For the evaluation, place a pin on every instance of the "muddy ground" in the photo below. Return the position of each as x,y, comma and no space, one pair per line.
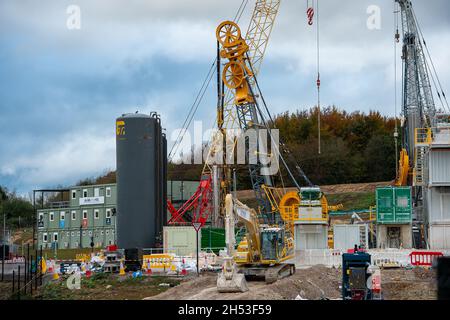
312,284
329,189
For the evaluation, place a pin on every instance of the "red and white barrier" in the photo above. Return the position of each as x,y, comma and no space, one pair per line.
424,258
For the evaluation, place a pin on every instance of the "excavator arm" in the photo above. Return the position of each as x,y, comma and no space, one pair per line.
230,280
236,212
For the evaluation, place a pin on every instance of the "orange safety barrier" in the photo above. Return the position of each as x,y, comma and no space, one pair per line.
424,258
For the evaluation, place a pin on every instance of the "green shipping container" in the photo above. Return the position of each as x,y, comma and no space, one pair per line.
214,238
394,205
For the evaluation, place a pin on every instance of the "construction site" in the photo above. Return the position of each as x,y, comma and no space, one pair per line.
254,225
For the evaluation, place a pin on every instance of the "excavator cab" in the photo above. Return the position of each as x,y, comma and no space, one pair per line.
272,244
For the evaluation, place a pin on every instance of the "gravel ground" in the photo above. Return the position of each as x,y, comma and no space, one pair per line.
313,284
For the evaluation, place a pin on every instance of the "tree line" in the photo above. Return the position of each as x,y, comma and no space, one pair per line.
18,211
356,147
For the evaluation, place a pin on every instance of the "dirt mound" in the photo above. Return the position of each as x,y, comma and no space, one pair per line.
329,189
416,284
354,187
22,237
313,283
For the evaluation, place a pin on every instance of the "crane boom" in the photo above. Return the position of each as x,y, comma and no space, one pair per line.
418,104
257,37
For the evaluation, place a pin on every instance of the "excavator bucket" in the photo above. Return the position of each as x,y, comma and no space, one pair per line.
237,283
229,280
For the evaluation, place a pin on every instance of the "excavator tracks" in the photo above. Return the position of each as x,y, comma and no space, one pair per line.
270,274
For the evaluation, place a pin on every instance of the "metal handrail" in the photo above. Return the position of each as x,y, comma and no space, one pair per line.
34,279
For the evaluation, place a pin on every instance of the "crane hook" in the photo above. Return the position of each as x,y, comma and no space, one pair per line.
310,15
397,36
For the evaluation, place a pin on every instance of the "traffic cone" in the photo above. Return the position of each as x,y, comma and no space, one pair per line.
43,266
122,269
55,274
88,272
183,270
148,267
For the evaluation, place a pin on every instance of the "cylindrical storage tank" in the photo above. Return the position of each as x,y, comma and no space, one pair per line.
164,182
138,166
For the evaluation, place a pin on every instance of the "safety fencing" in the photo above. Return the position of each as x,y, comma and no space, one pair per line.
313,257
424,258
380,257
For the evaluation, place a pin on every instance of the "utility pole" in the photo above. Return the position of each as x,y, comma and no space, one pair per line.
3,245
81,237
197,226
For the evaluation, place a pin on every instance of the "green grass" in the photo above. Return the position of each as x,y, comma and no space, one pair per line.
352,200
105,286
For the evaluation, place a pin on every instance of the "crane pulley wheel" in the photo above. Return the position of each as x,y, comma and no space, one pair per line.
228,34
233,75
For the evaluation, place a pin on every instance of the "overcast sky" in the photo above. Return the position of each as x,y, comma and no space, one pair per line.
61,89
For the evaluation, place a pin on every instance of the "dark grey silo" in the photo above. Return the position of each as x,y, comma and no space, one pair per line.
140,179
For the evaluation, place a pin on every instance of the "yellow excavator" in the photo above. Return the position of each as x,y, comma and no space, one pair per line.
263,252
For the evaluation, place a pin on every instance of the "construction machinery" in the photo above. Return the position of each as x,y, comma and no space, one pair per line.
420,117
241,106
261,253
208,202
418,107
269,240
360,279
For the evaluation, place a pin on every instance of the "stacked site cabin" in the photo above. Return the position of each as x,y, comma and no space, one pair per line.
90,214
87,217
437,191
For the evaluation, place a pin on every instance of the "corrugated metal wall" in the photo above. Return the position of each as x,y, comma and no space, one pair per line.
440,236
438,204
440,166
346,236
311,237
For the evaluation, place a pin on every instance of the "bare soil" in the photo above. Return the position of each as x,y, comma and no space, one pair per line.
313,284
329,189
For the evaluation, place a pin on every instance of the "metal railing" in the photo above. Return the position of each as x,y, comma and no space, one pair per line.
426,136
27,288
178,251
423,136
59,204
26,273
291,214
